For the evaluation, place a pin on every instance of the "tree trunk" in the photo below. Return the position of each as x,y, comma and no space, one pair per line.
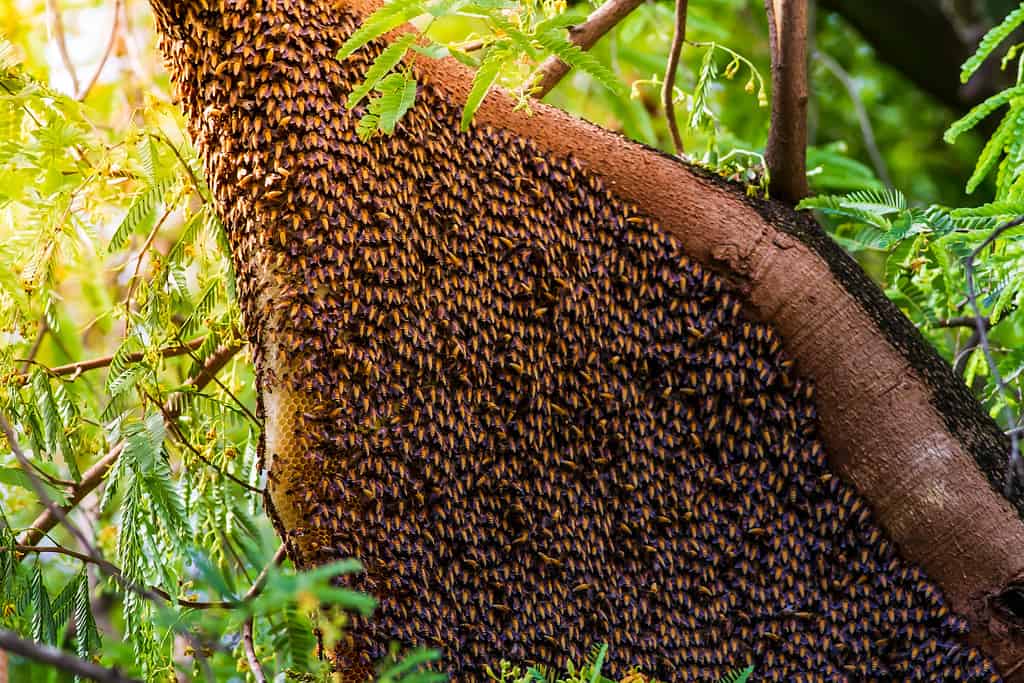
460,385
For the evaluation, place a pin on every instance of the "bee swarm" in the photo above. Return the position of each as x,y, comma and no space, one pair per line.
538,424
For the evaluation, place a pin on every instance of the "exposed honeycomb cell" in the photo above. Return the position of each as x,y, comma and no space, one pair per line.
536,421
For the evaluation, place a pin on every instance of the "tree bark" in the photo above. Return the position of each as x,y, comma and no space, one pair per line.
786,151
894,419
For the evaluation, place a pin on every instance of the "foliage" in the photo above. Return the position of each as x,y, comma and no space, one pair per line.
110,250
925,248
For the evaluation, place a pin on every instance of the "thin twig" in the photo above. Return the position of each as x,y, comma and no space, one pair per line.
76,369
585,35
244,408
36,345
115,26
172,424
40,491
56,21
1013,465
250,652
51,656
138,262
866,130
111,569
669,87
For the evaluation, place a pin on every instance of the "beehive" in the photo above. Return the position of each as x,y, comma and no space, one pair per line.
536,421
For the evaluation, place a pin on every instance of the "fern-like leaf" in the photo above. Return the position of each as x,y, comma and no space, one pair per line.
570,53
141,209
739,675
381,67
385,18
484,78
991,41
980,112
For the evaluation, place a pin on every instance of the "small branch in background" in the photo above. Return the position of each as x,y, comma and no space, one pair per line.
114,30
866,130
964,356
669,87
112,570
964,321
55,510
982,324
94,476
76,369
786,152
51,656
250,652
34,351
138,264
585,35
56,22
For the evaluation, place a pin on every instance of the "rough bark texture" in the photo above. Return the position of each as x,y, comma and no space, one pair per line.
268,115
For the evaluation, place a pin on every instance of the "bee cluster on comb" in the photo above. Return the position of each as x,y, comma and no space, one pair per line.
535,420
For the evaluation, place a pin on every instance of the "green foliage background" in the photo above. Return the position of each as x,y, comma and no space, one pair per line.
109,249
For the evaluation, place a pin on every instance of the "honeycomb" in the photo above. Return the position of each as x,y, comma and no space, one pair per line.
517,401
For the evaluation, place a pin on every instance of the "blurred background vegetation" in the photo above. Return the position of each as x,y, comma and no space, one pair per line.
110,253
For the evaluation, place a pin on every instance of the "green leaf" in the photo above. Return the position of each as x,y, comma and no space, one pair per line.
385,18
577,58
87,636
991,41
1013,207
993,151
980,112
398,94
43,628
142,208
739,676
484,78
387,60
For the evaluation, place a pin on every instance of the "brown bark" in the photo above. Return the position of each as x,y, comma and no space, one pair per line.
896,421
601,21
786,152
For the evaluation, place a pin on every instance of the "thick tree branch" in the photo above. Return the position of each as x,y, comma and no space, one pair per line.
601,20
669,86
51,656
786,152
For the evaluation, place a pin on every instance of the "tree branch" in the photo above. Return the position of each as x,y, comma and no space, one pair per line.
866,130
94,476
600,21
1013,466
115,26
669,86
76,369
250,652
56,22
786,152
46,654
